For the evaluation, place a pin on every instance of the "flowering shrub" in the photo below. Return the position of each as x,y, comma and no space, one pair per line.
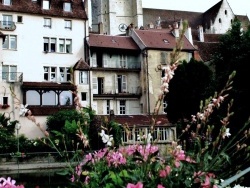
9,183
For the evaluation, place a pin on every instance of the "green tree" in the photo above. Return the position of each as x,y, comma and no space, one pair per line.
192,83
234,54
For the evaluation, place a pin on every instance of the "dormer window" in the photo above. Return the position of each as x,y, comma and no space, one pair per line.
165,41
7,2
67,7
45,4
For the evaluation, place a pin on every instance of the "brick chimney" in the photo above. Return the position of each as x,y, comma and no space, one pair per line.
175,30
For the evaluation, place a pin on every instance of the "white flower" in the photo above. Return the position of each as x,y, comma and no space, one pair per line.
106,139
149,137
23,110
227,133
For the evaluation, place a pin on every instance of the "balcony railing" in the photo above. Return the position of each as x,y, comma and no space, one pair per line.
131,92
12,76
118,66
7,25
161,134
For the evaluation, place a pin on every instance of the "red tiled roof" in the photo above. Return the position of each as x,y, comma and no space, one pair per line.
140,120
206,49
116,42
81,65
56,8
155,39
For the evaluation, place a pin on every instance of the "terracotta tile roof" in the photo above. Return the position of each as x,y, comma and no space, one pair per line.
48,85
154,39
27,6
115,42
140,120
245,22
169,16
81,65
206,49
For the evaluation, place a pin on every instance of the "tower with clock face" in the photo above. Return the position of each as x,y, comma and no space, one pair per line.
112,17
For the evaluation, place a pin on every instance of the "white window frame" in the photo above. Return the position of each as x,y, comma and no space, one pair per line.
7,20
94,60
122,109
49,44
67,7
68,24
83,77
10,42
47,22
123,61
50,73
46,5
65,45
7,2
65,75
9,72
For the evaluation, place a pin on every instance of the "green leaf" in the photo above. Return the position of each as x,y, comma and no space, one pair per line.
124,173
115,178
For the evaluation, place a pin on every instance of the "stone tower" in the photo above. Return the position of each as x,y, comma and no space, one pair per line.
112,16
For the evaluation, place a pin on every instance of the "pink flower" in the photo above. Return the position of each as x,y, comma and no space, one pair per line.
164,173
160,186
138,185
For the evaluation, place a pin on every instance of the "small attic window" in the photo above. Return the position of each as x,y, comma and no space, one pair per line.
219,20
67,7
165,41
6,2
225,12
46,4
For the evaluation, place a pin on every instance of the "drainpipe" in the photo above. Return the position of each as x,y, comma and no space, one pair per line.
145,55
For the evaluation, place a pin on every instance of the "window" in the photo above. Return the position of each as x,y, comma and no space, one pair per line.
47,22
123,61
219,20
64,74
84,77
122,107
67,24
19,19
164,59
65,45
67,7
122,83
108,106
50,74
84,96
7,2
9,72
5,100
49,44
225,12
45,4
10,42
7,21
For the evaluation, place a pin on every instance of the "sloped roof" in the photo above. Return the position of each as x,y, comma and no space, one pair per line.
115,42
140,120
206,49
161,39
56,8
169,16
211,14
81,65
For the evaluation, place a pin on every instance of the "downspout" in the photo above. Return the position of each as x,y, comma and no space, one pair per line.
145,55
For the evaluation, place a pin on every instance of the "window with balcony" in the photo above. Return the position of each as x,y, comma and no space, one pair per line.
67,7
10,42
7,21
9,72
67,24
7,2
49,44
122,107
122,83
47,22
46,5
123,61
84,79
